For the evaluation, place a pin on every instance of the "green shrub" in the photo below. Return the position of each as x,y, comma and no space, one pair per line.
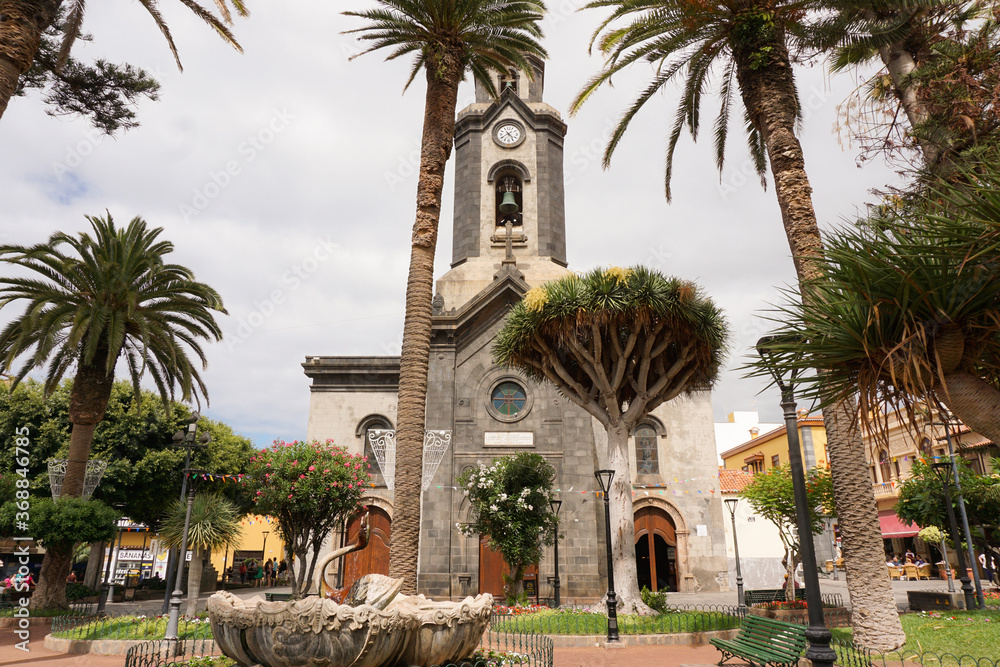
657,601
77,591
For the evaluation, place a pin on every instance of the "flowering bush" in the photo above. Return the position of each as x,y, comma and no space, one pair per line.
309,488
510,505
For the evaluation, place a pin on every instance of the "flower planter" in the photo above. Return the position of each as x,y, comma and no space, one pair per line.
832,616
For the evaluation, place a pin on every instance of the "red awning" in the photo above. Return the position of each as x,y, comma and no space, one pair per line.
893,527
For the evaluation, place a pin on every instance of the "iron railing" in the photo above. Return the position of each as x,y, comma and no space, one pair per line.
677,619
497,649
124,625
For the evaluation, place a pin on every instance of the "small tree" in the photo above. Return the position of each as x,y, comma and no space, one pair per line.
617,342
771,495
215,522
58,525
310,488
510,507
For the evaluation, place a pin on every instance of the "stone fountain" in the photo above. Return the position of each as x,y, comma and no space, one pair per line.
375,626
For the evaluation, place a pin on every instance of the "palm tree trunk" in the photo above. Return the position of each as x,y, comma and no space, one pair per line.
444,73
194,580
623,524
92,578
768,93
50,593
22,23
88,401
975,402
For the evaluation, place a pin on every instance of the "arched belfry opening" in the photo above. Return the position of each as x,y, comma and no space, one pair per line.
508,81
509,200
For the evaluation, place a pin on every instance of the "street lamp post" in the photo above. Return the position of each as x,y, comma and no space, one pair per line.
965,519
183,438
740,599
604,478
943,470
555,505
819,651
173,622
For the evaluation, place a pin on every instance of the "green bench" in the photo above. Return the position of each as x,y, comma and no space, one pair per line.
762,595
276,597
764,641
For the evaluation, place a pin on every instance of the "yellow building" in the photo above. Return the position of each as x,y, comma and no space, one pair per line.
770,450
137,550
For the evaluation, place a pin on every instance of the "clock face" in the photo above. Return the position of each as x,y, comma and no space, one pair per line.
508,134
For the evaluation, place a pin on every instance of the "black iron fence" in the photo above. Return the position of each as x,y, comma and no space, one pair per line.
124,625
498,648
676,619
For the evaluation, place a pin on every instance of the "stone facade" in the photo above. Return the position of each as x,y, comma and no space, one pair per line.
489,273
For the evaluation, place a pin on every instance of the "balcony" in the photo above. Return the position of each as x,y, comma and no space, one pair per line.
885,490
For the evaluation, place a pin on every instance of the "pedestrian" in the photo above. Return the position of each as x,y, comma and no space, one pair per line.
243,573
71,579
267,572
259,575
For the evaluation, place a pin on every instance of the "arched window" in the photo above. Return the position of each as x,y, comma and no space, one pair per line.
885,464
646,461
925,445
508,81
509,190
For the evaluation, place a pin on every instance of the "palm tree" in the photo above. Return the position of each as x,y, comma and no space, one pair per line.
97,299
749,40
904,314
618,343
24,21
215,523
911,40
447,39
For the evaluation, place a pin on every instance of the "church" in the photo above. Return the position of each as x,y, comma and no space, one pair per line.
509,235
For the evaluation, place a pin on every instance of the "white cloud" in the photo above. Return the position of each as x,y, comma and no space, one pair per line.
334,145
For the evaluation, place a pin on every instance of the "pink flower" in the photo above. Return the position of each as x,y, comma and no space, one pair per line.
336,483
312,467
295,462
327,470
260,493
302,476
269,465
289,495
357,466
350,486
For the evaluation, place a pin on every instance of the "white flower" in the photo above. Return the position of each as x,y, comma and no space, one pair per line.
493,507
530,507
503,496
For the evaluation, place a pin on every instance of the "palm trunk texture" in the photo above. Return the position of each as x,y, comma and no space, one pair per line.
50,593
87,402
766,84
22,23
195,568
444,73
95,561
976,403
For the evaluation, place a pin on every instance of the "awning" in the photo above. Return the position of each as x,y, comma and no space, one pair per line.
893,527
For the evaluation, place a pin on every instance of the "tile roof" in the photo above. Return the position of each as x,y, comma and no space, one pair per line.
734,481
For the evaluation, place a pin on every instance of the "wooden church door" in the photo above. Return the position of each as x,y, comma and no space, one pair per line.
492,569
655,549
373,559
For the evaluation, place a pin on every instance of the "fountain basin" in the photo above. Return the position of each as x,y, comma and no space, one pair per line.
410,631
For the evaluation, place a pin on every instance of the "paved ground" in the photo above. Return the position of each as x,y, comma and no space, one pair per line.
665,656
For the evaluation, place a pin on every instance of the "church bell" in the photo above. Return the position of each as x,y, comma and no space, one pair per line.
507,204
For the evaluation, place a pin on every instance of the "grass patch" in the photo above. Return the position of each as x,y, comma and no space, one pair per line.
972,633
553,622
135,627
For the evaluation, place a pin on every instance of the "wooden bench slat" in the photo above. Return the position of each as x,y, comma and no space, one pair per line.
766,641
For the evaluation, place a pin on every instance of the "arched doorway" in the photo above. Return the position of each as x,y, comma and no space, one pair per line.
655,549
373,559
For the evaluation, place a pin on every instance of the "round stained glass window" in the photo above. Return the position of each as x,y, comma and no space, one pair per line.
508,398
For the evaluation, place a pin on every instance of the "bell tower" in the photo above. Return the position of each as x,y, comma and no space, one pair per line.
509,197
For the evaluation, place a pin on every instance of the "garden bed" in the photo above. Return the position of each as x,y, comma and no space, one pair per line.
798,612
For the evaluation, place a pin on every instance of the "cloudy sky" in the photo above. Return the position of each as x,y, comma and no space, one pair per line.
286,177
